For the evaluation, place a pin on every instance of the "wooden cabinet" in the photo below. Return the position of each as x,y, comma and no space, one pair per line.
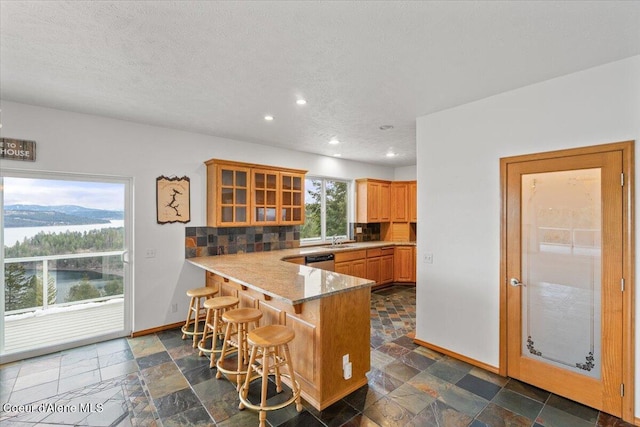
291,198
380,265
399,201
386,201
264,204
413,201
374,265
242,194
386,266
228,195
352,263
404,264
373,200
404,201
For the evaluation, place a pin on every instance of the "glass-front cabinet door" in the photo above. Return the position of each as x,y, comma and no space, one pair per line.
233,195
265,196
292,204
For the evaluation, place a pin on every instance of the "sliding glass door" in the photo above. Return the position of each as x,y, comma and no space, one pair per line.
65,268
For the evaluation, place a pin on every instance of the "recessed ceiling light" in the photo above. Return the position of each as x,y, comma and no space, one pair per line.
337,155
334,142
301,101
268,118
391,154
386,127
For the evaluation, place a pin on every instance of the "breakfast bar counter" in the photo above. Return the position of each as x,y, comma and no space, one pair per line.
329,313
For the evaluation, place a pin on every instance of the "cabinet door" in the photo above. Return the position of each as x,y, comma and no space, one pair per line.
399,202
386,269
373,269
403,262
384,202
264,204
291,198
413,202
373,202
414,272
232,187
343,267
359,268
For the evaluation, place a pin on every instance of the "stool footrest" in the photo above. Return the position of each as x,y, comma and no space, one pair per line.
294,396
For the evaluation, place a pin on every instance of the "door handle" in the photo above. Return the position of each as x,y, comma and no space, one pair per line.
515,282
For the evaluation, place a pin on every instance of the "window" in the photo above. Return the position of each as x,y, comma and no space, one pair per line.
326,209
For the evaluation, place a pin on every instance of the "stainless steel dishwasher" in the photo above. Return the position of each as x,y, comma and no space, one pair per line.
325,261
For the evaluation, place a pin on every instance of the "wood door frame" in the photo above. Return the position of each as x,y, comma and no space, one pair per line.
628,306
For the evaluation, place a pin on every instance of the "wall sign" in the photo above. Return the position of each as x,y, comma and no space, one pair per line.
17,149
173,199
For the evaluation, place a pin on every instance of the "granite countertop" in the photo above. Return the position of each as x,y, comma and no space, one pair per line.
269,273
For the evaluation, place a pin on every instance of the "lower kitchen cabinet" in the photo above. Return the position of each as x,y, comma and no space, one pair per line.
386,268
404,264
353,263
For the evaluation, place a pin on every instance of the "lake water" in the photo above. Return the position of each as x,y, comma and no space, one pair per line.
18,234
64,279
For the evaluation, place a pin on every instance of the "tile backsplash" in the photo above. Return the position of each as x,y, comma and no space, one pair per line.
205,241
369,233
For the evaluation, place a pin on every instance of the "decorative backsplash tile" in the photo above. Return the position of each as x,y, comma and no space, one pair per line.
370,232
205,241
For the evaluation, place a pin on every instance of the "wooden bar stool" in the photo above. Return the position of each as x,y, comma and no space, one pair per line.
236,342
267,359
190,327
214,325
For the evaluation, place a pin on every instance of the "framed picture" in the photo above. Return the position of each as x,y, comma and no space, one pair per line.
173,202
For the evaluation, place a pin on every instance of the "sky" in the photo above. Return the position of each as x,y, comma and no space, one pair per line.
50,192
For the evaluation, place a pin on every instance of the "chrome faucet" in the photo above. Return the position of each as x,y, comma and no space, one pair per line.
334,239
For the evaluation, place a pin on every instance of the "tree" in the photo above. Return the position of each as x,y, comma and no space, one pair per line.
35,291
336,193
114,287
16,287
311,227
82,291
336,208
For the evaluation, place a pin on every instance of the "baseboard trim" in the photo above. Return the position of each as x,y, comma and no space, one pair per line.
157,329
455,355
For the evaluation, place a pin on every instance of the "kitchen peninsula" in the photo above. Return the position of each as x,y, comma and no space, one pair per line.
329,312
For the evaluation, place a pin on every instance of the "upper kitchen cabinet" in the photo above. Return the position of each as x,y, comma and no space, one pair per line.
228,187
292,197
243,194
399,201
413,201
403,200
264,205
373,200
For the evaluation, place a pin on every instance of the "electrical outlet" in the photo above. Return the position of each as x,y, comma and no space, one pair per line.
359,230
428,258
174,308
151,253
347,371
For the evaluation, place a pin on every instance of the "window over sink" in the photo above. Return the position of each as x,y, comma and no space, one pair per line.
326,210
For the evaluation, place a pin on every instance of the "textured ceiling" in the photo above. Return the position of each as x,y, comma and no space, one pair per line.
219,67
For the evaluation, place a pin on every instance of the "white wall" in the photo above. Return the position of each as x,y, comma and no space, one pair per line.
71,142
405,173
459,190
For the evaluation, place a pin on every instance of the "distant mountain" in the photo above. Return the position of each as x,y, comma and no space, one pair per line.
43,216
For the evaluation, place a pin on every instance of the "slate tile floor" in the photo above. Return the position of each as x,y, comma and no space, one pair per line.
159,380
